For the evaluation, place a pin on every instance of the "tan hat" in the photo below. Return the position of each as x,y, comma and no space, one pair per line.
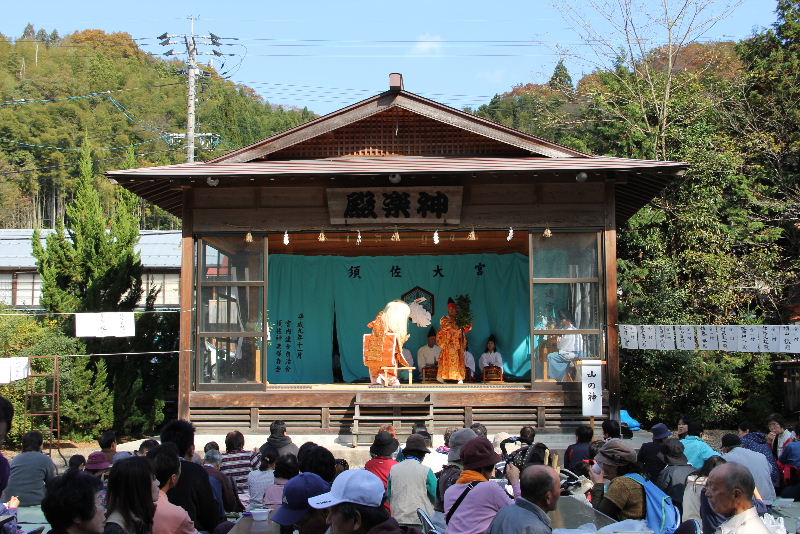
616,452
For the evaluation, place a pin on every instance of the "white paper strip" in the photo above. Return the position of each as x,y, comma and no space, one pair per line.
12,369
707,337
685,337
628,337
728,336
106,324
665,337
750,339
790,338
647,337
592,387
770,338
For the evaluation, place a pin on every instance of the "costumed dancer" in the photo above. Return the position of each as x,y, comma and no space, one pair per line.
384,348
569,348
452,339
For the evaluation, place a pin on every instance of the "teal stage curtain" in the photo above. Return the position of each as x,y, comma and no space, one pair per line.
356,289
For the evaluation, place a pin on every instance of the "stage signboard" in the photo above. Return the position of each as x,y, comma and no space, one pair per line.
401,205
592,387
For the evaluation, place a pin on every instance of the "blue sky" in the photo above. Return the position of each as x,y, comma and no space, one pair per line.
327,54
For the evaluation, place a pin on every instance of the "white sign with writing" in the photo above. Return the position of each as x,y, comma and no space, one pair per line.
789,338
665,337
592,387
628,337
707,337
685,337
647,337
105,324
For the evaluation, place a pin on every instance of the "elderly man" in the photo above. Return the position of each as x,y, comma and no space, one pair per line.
755,462
729,489
540,487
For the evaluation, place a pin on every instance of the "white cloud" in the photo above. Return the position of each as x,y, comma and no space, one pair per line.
428,45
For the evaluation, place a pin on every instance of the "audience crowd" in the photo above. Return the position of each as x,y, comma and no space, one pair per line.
469,485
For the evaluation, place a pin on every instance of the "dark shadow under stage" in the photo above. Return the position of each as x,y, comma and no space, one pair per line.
361,408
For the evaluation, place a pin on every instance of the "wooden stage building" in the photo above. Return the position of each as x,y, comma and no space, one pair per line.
372,182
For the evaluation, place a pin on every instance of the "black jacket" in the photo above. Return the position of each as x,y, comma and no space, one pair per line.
194,494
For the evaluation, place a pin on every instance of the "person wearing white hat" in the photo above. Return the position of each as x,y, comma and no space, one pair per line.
355,504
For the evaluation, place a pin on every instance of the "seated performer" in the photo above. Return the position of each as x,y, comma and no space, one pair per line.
491,356
569,348
453,340
428,355
469,363
382,350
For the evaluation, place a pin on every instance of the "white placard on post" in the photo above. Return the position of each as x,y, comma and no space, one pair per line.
628,337
685,337
592,387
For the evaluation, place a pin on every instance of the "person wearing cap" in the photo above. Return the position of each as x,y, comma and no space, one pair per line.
672,478
428,355
355,506
625,498
296,512
381,450
540,486
733,452
411,484
450,473
650,453
473,501
452,338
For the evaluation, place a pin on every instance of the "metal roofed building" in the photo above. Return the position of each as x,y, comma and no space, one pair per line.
20,285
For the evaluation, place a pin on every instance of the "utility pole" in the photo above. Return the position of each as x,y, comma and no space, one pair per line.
191,49
191,41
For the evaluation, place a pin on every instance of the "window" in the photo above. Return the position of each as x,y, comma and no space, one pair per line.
231,303
29,289
6,291
565,296
168,285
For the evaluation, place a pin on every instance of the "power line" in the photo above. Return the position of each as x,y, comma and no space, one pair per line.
19,171
121,147
89,95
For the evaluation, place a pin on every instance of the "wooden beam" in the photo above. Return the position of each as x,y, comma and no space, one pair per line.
187,297
612,330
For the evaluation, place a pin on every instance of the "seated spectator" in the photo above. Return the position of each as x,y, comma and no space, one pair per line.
695,486
235,461
76,462
296,511
286,468
479,429
412,485
168,518
319,460
147,446
108,444
97,465
30,472
132,493
121,455
649,456
696,450
756,441
672,478
452,471
263,477
193,491
210,445
355,505
578,452
444,449
779,435
6,418
540,488
219,481
529,453
340,466
733,452
730,492
280,440
381,450
435,460
72,504
475,512
625,498
611,429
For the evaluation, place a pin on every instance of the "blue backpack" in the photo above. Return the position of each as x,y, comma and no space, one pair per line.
662,516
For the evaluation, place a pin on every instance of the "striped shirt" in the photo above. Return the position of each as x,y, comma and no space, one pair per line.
237,466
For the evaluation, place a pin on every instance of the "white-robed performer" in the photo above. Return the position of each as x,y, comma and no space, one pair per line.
382,350
428,355
570,348
491,356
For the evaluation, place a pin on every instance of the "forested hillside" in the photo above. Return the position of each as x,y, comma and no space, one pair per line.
57,91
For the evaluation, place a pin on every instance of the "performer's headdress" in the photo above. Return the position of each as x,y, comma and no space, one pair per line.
432,332
451,303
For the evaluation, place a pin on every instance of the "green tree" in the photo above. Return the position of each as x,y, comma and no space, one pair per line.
561,80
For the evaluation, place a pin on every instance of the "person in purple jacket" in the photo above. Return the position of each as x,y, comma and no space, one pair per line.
473,501
6,417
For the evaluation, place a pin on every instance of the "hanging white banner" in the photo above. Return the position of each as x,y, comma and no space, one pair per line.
592,387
